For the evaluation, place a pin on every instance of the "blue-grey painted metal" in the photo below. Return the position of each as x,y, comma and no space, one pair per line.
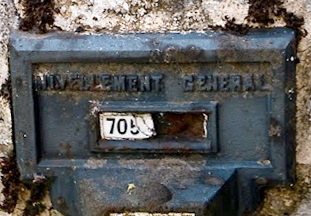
61,82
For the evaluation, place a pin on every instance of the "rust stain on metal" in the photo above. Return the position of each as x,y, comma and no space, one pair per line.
180,125
275,129
66,148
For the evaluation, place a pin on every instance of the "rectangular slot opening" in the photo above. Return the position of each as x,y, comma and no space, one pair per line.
181,126
162,125
155,128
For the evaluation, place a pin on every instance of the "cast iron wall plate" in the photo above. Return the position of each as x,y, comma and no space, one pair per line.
155,122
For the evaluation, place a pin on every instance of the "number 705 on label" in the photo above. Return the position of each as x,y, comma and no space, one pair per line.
120,126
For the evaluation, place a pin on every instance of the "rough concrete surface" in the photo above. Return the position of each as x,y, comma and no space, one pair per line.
8,21
119,16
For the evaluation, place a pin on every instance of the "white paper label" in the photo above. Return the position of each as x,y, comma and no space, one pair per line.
130,126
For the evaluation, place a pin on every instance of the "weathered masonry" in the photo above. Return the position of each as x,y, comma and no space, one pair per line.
196,123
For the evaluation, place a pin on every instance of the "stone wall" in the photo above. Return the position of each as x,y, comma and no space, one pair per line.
120,16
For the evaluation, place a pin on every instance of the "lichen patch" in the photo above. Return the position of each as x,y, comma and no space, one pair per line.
11,183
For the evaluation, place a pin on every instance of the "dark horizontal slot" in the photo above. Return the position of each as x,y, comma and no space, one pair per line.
180,126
